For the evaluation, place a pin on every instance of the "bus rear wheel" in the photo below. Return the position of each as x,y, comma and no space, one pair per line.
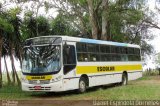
124,79
82,85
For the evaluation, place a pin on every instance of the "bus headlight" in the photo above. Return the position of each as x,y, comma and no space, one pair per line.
24,80
57,79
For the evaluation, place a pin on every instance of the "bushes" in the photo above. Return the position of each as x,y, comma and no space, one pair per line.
151,72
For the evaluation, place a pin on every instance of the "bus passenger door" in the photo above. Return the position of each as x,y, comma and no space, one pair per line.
69,58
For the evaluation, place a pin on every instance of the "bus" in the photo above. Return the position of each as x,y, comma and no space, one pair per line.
62,63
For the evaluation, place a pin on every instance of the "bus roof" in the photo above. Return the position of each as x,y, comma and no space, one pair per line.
86,40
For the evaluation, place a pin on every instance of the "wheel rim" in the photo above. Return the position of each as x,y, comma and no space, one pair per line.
82,86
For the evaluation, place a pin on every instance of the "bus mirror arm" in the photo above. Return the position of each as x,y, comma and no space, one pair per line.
66,48
65,45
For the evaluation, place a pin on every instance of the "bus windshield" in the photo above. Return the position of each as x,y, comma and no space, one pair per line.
41,59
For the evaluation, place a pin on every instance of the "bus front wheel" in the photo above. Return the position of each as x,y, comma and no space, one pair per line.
124,79
82,85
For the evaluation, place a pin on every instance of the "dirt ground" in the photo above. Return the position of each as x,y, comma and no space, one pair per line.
46,103
151,80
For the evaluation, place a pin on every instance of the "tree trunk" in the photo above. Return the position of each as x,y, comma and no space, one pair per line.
8,77
104,20
18,80
20,56
93,21
1,42
12,62
15,75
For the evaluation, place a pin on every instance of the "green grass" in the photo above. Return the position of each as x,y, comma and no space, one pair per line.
144,78
145,88
15,92
4,77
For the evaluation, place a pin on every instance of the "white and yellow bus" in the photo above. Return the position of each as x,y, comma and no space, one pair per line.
61,63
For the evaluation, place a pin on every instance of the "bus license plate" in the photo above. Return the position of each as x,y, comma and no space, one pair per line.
37,87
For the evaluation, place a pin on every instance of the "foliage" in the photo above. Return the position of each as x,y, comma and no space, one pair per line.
4,24
10,38
5,27
43,26
33,26
119,20
59,26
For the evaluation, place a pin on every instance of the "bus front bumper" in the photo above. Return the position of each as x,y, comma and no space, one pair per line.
55,87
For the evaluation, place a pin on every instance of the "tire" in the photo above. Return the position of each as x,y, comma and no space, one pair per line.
82,85
124,79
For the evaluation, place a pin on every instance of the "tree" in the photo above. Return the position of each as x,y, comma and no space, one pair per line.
31,24
60,26
5,54
5,27
76,13
14,40
118,20
93,15
34,13
42,26
100,14
11,41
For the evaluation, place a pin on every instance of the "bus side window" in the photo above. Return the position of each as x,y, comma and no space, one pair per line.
69,58
124,57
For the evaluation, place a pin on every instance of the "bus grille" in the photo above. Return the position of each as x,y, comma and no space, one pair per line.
39,81
42,88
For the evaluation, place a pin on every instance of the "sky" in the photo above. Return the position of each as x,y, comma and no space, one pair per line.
156,32
155,42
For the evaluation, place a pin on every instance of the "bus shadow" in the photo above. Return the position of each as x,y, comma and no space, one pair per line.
72,92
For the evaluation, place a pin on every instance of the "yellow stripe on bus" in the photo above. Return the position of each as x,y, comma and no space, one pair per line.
43,77
113,68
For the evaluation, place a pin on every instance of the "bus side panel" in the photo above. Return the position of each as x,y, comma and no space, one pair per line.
71,83
105,79
134,75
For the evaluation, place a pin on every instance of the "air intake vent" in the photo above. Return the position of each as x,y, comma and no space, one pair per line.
39,81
